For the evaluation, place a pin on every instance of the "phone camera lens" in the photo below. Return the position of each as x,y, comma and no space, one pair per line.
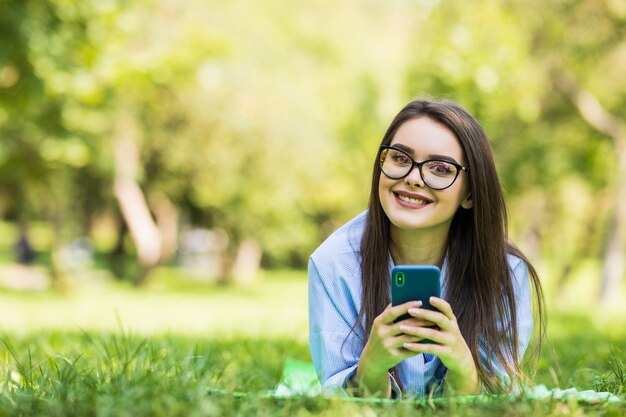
400,278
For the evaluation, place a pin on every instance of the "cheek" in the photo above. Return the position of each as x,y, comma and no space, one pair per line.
460,191
384,184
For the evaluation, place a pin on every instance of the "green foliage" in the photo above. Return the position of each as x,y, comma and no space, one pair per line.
615,379
579,353
253,119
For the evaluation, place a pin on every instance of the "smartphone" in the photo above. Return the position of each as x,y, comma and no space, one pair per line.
415,283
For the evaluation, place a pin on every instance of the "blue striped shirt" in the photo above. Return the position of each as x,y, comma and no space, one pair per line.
334,303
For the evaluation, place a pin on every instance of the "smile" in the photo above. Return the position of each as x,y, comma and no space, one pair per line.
411,201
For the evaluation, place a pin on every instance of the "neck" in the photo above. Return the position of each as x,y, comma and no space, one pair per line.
418,247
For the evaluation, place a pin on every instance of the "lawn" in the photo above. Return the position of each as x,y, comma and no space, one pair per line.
105,350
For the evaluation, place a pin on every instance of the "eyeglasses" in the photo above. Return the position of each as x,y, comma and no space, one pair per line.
437,174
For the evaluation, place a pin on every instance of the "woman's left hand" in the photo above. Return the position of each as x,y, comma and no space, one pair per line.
449,345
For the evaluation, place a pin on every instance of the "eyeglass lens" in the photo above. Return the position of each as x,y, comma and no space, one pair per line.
435,173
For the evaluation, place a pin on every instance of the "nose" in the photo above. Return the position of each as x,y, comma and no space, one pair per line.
414,178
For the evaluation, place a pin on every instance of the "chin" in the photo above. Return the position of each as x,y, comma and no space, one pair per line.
407,222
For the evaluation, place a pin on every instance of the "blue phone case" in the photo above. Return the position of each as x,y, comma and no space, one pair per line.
415,282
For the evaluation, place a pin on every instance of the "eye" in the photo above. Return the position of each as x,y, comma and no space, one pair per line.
441,168
400,157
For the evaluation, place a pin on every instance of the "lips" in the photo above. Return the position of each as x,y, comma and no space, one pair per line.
412,199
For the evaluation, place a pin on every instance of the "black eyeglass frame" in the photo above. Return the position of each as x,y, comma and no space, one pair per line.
459,167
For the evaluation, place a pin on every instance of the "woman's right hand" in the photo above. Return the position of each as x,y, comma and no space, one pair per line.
384,349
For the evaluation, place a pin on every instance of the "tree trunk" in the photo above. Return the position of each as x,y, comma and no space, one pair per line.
118,254
583,250
132,202
613,127
57,273
614,264
247,261
166,215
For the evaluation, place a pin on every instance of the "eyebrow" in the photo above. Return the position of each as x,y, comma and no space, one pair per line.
410,151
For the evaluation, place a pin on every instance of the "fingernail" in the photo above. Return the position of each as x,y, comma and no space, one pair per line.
414,310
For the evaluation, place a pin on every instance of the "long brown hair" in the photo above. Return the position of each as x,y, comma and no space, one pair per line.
479,284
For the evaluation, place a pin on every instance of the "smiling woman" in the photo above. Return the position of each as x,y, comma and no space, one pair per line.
435,200
425,198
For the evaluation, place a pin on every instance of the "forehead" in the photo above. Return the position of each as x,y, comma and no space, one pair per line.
428,137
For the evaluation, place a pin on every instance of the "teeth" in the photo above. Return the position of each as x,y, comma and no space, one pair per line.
412,200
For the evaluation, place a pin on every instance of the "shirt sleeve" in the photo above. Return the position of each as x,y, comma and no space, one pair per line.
523,301
335,350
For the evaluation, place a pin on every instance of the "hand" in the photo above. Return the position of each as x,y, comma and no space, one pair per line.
385,347
449,345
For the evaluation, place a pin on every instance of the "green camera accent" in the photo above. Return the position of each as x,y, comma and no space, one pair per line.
400,279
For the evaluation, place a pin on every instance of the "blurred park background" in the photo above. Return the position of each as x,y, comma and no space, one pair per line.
169,164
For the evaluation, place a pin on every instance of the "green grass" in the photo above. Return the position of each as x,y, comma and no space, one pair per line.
83,374
276,305
64,374
105,350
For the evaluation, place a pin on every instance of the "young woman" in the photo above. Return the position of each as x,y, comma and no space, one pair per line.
435,199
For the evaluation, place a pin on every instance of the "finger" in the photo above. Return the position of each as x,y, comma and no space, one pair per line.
393,312
390,330
412,321
394,329
443,306
399,341
402,354
433,316
435,335
440,351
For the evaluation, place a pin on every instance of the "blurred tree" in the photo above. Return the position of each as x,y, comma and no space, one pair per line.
263,119
582,47
504,62
45,165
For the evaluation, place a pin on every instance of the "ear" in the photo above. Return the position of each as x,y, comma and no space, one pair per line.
468,203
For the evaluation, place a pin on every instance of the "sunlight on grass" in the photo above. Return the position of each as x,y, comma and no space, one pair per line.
275,305
579,295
